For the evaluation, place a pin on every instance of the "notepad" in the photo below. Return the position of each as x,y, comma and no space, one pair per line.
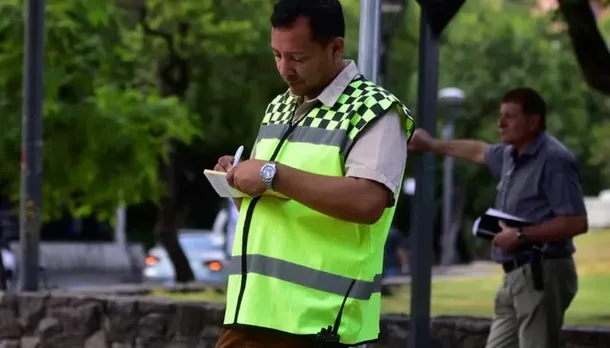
486,226
218,180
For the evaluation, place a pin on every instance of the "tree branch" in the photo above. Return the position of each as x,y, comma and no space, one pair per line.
169,39
589,46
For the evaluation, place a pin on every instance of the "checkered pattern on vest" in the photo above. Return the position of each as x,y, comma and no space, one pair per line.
358,105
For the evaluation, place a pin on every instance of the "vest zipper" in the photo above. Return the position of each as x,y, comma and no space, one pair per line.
248,221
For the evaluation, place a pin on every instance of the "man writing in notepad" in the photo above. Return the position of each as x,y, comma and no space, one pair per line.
307,269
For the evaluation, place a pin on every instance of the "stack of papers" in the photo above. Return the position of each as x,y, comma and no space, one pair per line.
219,182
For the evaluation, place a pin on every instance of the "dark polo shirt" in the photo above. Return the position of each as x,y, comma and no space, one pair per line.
540,184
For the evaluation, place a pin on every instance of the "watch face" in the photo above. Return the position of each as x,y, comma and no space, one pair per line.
267,172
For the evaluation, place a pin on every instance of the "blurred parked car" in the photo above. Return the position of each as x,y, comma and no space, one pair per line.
205,251
9,261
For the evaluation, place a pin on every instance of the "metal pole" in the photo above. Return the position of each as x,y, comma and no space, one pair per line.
449,252
369,44
369,37
424,207
31,145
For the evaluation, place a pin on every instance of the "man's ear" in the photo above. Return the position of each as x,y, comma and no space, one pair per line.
337,47
535,122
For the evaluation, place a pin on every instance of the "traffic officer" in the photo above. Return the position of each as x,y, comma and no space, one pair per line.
538,181
307,269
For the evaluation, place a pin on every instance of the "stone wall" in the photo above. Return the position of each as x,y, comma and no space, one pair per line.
73,321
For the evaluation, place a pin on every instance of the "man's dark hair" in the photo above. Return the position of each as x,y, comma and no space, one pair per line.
325,17
530,100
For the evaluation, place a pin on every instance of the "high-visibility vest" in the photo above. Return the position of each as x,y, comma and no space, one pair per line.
300,263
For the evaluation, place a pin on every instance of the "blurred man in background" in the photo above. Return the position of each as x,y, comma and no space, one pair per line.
396,256
540,183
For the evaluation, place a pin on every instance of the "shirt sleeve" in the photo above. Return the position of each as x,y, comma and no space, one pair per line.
380,154
561,186
494,158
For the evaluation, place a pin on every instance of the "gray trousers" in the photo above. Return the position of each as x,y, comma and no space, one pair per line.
527,318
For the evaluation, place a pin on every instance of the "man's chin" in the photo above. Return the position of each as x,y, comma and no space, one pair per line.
506,139
299,92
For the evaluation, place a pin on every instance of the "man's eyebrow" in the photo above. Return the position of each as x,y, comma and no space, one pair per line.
291,53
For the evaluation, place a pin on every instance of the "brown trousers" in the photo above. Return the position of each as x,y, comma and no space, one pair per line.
261,338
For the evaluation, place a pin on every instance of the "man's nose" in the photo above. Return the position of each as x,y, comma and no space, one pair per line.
285,67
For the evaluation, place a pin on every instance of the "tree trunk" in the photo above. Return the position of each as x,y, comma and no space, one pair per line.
174,81
173,77
166,229
589,46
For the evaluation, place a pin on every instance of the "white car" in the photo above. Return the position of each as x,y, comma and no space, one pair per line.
9,261
205,251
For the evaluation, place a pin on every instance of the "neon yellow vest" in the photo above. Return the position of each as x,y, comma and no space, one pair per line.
301,263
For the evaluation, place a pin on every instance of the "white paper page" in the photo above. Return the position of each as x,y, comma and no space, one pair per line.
503,215
475,226
221,186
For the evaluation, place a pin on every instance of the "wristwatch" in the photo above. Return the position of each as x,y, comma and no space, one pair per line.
268,174
521,238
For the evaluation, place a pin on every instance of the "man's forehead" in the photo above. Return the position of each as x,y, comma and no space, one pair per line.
510,106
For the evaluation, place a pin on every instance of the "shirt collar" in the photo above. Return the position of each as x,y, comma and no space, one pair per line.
533,147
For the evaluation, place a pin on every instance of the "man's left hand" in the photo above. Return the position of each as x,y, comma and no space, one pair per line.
507,239
246,177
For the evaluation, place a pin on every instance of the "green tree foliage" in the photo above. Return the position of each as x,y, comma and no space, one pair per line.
127,85
182,37
132,84
105,125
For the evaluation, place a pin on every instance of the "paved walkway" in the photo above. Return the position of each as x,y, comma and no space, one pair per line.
473,270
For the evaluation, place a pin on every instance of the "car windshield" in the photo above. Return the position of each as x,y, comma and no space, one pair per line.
200,241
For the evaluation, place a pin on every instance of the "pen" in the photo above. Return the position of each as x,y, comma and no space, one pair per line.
237,156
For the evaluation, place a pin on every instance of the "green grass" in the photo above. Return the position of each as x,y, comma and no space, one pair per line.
475,296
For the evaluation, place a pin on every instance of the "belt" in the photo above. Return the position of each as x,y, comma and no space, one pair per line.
520,261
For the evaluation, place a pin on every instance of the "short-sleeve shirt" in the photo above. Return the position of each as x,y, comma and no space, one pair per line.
380,153
540,184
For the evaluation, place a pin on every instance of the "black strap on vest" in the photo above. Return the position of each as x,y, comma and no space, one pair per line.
329,337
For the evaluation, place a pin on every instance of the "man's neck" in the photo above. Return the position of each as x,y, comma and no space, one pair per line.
522,145
336,71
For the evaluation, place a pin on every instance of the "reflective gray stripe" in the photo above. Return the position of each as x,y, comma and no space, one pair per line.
302,134
305,276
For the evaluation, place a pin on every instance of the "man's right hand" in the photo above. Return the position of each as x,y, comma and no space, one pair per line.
420,141
225,163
